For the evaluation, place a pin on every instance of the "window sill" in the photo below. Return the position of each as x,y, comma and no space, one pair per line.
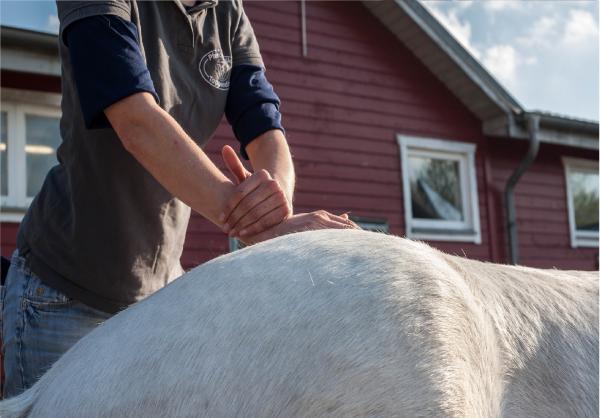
587,242
12,215
444,235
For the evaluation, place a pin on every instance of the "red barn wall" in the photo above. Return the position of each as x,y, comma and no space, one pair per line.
343,106
541,206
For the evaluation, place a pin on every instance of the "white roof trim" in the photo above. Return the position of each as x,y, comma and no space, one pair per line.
29,62
510,118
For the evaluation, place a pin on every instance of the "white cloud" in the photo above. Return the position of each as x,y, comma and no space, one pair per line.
502,62
52,23
459,29
544,52
463,4
543,33
580,28
500,5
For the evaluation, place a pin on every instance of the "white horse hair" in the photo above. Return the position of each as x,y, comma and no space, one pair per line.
338,323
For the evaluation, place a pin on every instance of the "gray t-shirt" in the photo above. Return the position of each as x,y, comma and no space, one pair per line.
102,229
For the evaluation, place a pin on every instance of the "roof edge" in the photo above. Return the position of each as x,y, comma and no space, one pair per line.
446,41
39,41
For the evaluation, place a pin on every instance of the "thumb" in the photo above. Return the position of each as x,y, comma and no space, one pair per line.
234,164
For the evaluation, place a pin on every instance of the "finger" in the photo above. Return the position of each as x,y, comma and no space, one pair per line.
242,190
334,224
251,201
325,216
273,201
344,215
269,220
234,164
339,218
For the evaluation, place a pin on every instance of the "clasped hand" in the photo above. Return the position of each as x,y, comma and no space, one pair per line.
257,203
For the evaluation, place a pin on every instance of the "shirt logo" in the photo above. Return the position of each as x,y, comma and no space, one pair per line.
215,69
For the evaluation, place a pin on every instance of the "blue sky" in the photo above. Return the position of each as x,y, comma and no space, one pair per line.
545,52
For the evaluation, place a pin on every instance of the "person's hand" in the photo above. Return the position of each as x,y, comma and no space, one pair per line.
258,202
303,222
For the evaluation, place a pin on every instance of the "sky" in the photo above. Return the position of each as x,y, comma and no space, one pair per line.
544,52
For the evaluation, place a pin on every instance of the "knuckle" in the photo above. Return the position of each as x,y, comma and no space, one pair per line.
254,229
233,220
283,211
262,223
263,174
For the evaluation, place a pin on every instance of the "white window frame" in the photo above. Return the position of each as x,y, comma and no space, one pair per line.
468,230
16,202
581,238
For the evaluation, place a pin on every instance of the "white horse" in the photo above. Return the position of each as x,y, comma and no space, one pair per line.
338,323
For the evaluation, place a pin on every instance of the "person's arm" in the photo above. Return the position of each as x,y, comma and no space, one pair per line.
319,219
255,210
252,109
253,112
271,152
157,141
268,152
116,91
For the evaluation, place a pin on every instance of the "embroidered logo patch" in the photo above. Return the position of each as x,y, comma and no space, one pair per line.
215,69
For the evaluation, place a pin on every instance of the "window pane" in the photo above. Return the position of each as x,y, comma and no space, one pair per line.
435,189
3,154
42,140
584,186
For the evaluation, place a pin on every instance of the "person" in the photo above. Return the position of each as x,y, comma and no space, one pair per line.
144,85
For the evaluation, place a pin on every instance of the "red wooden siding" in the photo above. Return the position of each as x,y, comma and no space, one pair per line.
8,233
343,106
541,201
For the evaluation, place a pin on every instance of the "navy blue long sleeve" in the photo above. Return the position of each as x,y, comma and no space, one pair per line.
107,65
252,105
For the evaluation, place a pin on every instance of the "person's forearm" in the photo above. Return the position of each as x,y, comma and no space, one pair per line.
270,151
157,141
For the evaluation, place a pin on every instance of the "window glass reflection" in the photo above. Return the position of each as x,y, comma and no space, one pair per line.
42,140
584,189
435,189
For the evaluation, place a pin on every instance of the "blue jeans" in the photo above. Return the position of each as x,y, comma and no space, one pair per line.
39,324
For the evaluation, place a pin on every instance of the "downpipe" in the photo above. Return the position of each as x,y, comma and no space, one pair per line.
509,191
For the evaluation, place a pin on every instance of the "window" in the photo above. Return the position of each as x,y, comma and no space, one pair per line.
582,201
440,189
371,224
235,244
30,138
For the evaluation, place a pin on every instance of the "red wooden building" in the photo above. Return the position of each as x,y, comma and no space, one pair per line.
387,117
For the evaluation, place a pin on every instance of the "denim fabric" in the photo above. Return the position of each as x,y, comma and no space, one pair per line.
39,325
